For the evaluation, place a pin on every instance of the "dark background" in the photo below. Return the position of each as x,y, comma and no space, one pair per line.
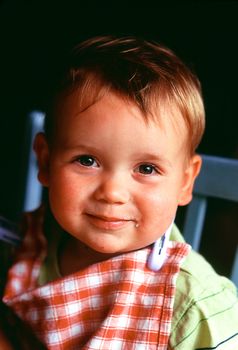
35,34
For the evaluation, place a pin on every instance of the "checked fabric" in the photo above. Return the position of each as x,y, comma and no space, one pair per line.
111,305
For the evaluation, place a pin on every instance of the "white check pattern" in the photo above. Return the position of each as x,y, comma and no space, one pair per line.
115,304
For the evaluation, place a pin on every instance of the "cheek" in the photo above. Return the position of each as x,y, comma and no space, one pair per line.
66,203
158,209
65,192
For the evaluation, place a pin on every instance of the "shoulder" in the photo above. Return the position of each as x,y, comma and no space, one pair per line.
205,308
32,244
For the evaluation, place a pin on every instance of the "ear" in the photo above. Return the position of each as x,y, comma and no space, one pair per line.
190,175
41,149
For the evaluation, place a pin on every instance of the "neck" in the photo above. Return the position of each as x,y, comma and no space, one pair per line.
74,255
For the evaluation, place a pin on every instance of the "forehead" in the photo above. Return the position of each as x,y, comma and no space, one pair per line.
163,117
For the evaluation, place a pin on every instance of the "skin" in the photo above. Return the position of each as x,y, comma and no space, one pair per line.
114,180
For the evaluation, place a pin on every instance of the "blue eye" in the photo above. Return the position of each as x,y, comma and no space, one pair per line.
147,169
87,161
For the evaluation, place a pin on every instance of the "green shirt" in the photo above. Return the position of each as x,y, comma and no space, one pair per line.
205,306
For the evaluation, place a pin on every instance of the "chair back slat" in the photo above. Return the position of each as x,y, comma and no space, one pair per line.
219,179
234,272
194,221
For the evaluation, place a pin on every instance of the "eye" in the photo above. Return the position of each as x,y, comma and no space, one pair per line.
87,161
147,169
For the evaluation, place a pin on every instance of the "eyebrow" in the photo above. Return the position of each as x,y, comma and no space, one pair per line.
87,148
155,157
140,156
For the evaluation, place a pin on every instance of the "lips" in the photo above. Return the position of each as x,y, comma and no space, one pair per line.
108,223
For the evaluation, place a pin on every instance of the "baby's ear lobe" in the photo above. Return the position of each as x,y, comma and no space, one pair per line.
41,149
190,175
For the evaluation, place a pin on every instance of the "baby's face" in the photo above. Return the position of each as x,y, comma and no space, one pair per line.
114,181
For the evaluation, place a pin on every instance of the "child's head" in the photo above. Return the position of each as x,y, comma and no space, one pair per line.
143,72
119,153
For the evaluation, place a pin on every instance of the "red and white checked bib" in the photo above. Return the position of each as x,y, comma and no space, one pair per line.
112,305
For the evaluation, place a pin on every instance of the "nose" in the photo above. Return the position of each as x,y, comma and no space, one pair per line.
113,189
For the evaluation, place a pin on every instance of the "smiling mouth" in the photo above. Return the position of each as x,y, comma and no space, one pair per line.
108,223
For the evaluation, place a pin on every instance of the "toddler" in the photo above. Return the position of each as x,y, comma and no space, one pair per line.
102,264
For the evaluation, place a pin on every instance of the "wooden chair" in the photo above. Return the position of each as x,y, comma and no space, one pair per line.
219,179
32,189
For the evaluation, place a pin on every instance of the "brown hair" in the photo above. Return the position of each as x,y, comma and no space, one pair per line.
141,71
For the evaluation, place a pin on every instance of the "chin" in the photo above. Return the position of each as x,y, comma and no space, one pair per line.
105,250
